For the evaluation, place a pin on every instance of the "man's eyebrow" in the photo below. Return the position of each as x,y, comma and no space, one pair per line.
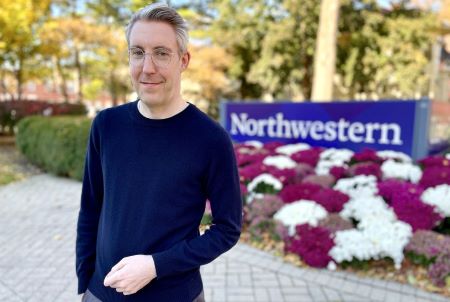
163,47
156,47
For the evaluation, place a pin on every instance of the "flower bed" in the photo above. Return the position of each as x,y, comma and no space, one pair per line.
335,208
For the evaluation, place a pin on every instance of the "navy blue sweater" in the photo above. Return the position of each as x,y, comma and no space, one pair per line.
145,185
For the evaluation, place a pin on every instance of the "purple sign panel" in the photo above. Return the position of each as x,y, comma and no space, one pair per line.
381,125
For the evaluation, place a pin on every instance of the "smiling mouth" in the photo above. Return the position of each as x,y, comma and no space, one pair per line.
150,83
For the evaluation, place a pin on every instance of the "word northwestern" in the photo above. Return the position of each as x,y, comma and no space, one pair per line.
342,130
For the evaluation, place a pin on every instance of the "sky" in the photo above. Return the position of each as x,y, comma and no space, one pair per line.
383,3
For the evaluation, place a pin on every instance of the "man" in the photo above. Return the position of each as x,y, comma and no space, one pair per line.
150,166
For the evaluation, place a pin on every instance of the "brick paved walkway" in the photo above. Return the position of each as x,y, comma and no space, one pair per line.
37,261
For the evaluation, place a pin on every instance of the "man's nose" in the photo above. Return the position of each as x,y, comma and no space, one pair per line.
147,65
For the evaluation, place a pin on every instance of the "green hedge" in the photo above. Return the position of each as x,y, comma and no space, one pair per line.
55,144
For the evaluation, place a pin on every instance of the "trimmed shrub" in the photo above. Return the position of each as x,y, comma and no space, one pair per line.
55,144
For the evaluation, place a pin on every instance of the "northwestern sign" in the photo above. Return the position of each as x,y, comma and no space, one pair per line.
381,125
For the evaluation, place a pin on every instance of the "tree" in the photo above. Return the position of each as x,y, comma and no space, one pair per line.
239,28
19,21
72,42
383,53
205,79
325,56
272,44
109,65
55,50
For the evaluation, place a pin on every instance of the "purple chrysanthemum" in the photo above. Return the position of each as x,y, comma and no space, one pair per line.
244,190
413,211
294,192
312,244
271,146
366,155
393,189
244,159
338,172
434,176
333,201
365,168
286,176
249,172
309,156
428,244
440,270
434,161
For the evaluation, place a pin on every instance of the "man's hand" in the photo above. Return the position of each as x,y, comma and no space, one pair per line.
131,274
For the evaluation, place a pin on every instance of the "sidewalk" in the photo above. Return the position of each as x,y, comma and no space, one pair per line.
37,258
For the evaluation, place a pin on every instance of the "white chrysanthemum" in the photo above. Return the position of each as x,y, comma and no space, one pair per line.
256,144
290,149
375,240
331,266
332,158
252,196
324,166
447,156
358,186
336,154
280,162
389,154
406,171
367,208
439,197
267,179
300,212
379,233
350,244
244,150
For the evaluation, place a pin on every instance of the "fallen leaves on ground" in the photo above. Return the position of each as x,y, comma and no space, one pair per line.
13,165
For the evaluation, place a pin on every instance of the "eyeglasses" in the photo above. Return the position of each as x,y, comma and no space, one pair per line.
161,57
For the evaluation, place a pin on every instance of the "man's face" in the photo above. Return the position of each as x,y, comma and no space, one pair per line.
156,85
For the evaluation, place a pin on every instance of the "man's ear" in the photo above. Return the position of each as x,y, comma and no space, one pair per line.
185,59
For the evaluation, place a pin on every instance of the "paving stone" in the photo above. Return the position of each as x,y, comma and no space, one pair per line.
378,294
38,231
331,294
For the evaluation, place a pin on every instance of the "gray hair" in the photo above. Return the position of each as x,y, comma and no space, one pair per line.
163,13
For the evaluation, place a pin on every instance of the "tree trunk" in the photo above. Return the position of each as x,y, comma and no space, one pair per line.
113,88
19,78
325,55
80,75
63,82
4,86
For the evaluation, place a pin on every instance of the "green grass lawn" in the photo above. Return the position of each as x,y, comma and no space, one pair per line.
7,176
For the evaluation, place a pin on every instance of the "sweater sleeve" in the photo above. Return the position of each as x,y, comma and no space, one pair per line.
223,192
90,208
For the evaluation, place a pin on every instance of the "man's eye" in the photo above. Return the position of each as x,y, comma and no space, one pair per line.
137,53
162,54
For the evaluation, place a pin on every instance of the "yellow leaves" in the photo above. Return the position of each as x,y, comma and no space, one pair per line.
60,36
444,12
19,20
207,69
93,88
